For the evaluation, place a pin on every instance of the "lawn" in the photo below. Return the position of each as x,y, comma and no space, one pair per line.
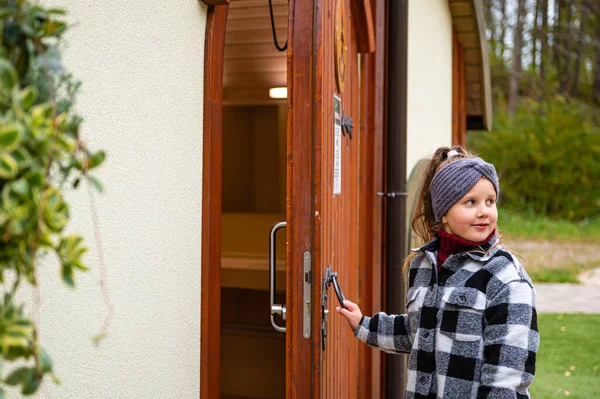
568,362
521,225
552,251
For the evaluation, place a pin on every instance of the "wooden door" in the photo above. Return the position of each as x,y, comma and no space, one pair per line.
337,181
323,201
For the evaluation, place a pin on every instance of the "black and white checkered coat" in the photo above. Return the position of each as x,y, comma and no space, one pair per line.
470,331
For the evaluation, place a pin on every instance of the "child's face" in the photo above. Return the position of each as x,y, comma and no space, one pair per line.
475,215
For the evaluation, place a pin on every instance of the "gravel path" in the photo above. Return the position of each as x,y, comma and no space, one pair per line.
570,298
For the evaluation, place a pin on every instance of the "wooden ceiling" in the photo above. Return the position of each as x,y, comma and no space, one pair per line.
252,63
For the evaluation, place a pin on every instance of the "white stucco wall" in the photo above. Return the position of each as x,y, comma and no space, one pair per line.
141,64
429,123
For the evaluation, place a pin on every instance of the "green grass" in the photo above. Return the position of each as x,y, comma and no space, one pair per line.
558,275
522,225
568,361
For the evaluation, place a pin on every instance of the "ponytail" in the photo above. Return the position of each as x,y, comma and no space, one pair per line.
423,223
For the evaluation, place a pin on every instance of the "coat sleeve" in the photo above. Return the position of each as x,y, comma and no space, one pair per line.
390,333
511,341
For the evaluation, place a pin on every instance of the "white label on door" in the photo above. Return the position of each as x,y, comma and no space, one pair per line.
337,145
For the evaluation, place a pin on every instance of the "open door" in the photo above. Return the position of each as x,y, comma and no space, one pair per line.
323,196
324,235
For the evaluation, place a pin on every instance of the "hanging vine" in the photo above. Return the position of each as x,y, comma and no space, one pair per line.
41,155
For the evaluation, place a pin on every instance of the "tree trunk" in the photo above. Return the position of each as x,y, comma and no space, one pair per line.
515,76
491,25
567,44
596,84
583,20
535,35
544,40
502,28
557,36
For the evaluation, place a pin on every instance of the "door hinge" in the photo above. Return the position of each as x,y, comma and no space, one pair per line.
392,194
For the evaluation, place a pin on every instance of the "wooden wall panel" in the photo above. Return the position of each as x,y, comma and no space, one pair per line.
252,353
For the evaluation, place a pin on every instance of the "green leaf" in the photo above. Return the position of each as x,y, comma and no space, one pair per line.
16,376
66,142
45,361
31,383
8,75
67,276
71,248
17,331
27,96
56,11
96,159
56,211
45,240
36,179
10,136
98,338
41,113
95,183
22,156
8,166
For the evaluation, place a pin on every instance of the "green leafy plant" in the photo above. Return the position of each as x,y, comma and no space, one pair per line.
41,155
548,157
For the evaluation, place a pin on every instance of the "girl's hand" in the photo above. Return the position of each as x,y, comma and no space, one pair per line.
352,313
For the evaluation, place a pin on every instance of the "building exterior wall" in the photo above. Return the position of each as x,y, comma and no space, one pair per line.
141,64
429,78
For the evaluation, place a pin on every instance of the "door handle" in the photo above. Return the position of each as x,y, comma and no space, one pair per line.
331,278
275,308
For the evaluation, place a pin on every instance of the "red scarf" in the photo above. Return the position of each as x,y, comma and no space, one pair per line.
451,244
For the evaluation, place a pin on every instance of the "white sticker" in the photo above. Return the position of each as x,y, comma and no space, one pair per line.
337,145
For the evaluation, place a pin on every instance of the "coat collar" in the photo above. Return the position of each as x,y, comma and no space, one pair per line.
482,253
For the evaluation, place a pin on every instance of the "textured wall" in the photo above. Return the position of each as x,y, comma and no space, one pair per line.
141,63
429,78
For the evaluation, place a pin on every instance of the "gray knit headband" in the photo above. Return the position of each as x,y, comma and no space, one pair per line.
454,180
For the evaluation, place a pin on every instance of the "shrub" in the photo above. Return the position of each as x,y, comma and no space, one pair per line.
547,156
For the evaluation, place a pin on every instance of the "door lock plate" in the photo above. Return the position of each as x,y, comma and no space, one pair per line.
330,278
307,288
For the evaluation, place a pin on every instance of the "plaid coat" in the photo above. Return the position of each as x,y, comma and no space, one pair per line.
470,330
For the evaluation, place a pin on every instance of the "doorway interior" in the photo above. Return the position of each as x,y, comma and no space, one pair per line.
253,199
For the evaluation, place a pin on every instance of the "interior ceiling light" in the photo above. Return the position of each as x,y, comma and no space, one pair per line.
278,92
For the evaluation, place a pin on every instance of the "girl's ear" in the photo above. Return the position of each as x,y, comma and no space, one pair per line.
444,220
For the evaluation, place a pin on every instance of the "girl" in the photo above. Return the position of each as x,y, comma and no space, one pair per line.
471,325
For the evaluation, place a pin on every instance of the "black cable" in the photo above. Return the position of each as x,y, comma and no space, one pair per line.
275,33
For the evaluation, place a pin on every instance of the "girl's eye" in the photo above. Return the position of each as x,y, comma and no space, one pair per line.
470,202
491,201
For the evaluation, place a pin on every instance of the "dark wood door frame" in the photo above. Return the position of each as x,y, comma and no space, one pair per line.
372,207
210,296
396,237
300,208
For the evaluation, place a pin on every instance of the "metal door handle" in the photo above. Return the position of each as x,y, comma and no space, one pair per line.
330,278
338,290
275,308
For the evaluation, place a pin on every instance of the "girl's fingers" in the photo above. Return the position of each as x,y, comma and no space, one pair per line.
342,311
